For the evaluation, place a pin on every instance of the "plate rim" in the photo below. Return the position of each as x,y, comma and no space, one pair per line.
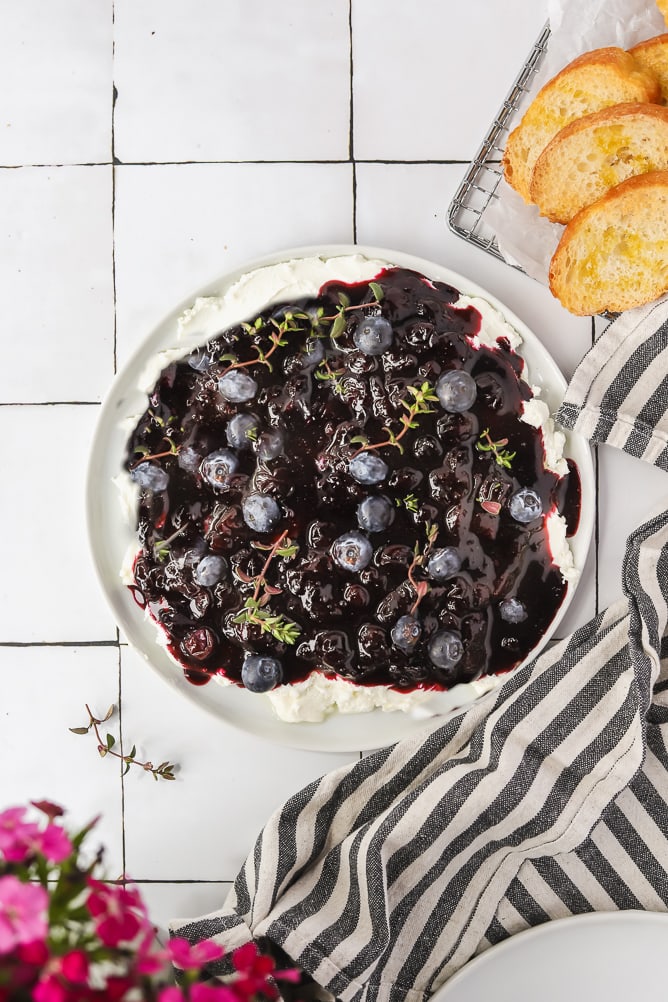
316,736
553,927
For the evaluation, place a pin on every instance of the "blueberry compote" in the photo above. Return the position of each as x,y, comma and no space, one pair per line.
359,492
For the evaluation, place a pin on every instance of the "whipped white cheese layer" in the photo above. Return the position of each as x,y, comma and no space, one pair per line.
318,696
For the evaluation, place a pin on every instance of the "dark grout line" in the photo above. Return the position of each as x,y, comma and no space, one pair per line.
114,98
59,643
233,163
351,120
50,403
153,881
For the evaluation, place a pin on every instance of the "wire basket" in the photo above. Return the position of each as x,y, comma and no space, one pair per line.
466,215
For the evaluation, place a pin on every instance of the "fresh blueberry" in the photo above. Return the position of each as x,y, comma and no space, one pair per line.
270,444
261,674
512,610
150,477
368,469
241,430
261,512
405,633
352,551
314,352
525,505
375,513
210,570
444,563
373,335
237,386
218,467
445,649
189,459
199,360
456,391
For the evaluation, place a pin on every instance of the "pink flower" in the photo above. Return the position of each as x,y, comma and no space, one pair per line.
171,995
150,958
54,844
191,958
20,839
22,913
212,993
50,989
16,835
118,912
74,967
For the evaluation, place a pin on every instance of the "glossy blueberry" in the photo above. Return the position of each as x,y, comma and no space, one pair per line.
367,469
237,386
210,570
189,459
352,551
150,477
375,513
241,430
270,444
444,563
260,673
314,352
405,633
218,467
199,360
445,649
456,391
373,335
525,505
512,610
261,512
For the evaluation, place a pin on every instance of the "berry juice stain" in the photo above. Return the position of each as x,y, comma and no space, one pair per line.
322,573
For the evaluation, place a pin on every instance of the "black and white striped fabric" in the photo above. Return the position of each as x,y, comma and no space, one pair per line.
548,797
619,393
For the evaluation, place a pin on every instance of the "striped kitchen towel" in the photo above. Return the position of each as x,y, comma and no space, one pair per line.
619,393
547,797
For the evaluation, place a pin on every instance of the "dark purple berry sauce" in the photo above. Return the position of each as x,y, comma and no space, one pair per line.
303,578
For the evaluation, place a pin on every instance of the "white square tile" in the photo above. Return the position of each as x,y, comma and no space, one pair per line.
179,227
56,283
630,492
56,82
46,694
166,902
243,81
429,78
48,591
204,824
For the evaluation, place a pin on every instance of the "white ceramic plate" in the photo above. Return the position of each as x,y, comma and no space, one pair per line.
599,957
110,534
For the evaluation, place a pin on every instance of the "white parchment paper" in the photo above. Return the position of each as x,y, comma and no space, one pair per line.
524,236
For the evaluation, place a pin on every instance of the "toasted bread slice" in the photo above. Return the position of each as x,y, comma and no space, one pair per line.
596,152
653,56
593,81
614,254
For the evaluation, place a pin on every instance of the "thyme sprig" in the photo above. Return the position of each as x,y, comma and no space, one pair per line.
106,746
146,455
421,588
421,397
502,456
254,610
338,320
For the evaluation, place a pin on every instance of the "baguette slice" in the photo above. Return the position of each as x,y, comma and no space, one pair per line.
653,57
593,81
596,152
614,254
663,7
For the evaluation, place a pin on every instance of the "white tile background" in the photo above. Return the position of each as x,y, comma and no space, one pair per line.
237,129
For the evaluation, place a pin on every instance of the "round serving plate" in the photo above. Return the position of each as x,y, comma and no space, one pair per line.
600,957
110,532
